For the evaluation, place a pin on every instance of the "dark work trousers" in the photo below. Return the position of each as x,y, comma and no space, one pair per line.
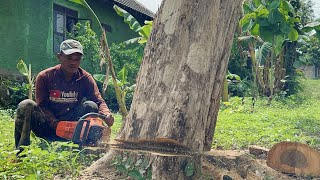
30,117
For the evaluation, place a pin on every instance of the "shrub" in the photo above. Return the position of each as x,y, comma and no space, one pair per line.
13,89
91,46
130,58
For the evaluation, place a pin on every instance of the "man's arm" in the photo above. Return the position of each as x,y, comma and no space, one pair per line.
42,99
95,96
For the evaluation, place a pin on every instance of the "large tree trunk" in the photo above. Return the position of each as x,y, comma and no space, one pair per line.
181,77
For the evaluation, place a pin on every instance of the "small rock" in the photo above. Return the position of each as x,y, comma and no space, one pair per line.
258,151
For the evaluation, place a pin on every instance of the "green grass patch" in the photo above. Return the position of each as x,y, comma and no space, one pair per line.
266,126
293,118
116,126
43,160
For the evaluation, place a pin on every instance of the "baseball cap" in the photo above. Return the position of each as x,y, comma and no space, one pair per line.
71,46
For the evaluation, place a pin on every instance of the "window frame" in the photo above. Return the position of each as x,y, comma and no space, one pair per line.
106,27
66,14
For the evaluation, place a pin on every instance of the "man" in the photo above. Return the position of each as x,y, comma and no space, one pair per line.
63,92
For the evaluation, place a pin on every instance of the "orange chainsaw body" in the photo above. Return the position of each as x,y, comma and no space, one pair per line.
87,131
65,129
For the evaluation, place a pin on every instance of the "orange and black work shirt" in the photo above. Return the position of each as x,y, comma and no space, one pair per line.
57,97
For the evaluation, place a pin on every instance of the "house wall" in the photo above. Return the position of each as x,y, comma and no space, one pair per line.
308,71
27,31
120,31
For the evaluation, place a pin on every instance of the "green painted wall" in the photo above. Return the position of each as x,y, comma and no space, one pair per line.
120,30
24,33
27,31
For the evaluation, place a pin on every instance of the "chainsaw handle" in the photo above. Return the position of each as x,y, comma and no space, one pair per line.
102,116
108,119
76,138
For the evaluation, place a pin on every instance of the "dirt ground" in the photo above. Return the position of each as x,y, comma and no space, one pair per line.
217,164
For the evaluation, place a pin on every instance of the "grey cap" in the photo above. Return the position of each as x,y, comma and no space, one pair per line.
71,46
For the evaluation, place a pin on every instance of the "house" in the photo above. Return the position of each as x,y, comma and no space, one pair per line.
310,71
32,30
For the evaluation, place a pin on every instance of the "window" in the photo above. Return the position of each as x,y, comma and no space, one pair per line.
63,21
106,27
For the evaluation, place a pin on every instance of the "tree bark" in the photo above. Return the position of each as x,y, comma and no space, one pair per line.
181,78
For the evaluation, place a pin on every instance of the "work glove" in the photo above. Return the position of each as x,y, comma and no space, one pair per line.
109,120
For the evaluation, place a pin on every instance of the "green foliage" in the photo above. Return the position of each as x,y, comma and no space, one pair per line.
26,71
57,158
91,47
144,31
121,81
189,169
240,87
304,10
128,57
272,31
272,20
43,160
127,63
311,52
292,118
263,52
239,63
105,54
128,18
12,90
138,169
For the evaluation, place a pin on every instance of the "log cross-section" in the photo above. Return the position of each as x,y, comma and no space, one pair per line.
294,157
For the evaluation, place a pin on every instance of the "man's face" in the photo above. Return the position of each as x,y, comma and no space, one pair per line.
70,63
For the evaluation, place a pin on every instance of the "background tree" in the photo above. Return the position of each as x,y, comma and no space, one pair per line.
311,51
91,47
276,24
180,80
304,10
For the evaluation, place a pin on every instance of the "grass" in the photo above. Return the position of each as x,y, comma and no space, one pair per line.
43,160
288,119
239,125
267,126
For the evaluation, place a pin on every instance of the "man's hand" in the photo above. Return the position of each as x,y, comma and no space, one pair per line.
109,120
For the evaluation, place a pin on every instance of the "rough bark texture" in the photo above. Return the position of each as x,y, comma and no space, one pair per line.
180,81
181,76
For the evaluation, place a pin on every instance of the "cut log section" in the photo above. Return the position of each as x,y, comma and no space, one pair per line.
296,158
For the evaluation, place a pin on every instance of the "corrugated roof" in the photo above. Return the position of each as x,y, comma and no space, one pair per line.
133,4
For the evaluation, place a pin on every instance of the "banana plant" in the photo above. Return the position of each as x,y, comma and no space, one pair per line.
225,91
121,82
270,20
144,31
274,22
313,26
109,64
26,71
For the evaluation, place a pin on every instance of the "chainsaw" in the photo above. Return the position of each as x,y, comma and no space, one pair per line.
88,131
